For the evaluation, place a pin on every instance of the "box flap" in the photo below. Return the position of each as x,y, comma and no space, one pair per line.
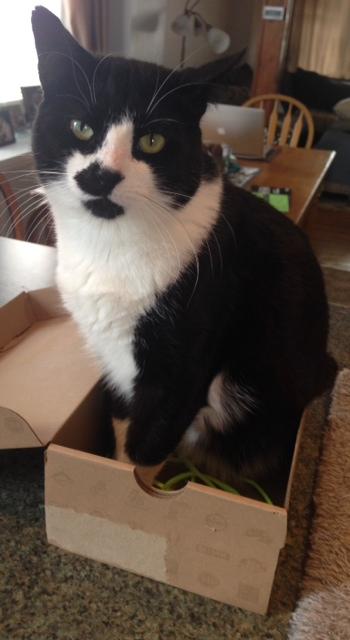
46,303
15,433
19,314
45,372
15,317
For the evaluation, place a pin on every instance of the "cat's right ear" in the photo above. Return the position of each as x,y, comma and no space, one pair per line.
63,64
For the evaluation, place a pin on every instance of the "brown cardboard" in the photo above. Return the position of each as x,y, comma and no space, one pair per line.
43,377
200,539
203,540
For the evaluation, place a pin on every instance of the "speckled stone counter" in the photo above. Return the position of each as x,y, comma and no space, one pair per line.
47,594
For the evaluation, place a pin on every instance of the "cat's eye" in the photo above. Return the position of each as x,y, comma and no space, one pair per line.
152,143
81,130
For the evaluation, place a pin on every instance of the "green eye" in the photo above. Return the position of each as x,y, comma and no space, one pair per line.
81,130
152,143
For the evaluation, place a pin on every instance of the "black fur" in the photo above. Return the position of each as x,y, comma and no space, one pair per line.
260,315
258,311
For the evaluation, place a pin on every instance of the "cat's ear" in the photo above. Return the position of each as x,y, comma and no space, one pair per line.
206,83
62,62
223,70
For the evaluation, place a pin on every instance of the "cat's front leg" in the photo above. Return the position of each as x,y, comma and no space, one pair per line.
159,420
120,429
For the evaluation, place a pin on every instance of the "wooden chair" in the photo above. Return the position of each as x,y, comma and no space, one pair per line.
12,218
10,214
286,119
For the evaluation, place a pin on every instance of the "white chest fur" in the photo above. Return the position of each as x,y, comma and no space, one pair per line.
106,318
109,272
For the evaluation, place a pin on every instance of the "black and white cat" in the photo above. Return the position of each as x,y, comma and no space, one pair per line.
205,307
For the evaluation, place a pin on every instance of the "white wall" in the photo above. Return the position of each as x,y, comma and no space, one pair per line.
147,33
147,29
137,28
118,32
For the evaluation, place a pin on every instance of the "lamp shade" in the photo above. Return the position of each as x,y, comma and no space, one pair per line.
219,40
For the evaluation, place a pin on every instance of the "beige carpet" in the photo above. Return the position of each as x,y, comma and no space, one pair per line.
323,611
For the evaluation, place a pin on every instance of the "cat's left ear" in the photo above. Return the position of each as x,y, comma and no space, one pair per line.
63,64
204,83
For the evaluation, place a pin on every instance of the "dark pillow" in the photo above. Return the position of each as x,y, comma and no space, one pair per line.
314,90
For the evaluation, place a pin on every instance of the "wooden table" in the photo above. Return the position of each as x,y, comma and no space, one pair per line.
24,266
302,170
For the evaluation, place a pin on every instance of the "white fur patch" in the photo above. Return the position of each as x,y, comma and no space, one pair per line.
109,271
228,403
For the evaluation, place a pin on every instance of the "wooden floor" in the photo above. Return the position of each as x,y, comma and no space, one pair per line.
328,227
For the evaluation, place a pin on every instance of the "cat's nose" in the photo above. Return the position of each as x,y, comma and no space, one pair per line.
97,181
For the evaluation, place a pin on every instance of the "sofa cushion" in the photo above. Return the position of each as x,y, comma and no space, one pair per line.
316,91
342,109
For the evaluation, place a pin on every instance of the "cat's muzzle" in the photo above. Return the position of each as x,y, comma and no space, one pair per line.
104,208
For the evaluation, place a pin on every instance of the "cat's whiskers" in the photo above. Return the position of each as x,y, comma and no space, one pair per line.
181,86
151,204
167,210
156,87
36,200
30,174
16,197
169,235
48,225
195,257
165,243
222,215
21,218
37,222
100,62
175,193
184,195
219,250
172,71
231,228
43,221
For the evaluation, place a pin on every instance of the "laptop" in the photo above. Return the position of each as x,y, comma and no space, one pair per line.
242,128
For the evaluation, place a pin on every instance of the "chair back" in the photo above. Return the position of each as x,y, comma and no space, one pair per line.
287,118
10,214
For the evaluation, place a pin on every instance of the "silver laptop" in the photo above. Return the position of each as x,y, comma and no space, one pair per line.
243,128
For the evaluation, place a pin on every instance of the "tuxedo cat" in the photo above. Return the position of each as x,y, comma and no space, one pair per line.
205,307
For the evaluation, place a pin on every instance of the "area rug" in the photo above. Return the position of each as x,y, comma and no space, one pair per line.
337,285
323,611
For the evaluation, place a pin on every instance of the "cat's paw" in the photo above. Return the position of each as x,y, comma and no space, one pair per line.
140,453
144,446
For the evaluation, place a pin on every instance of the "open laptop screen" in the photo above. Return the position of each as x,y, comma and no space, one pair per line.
240,127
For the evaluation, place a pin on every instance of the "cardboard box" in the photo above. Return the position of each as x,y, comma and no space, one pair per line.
212,543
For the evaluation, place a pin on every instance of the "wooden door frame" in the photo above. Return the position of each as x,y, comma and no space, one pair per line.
272,49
